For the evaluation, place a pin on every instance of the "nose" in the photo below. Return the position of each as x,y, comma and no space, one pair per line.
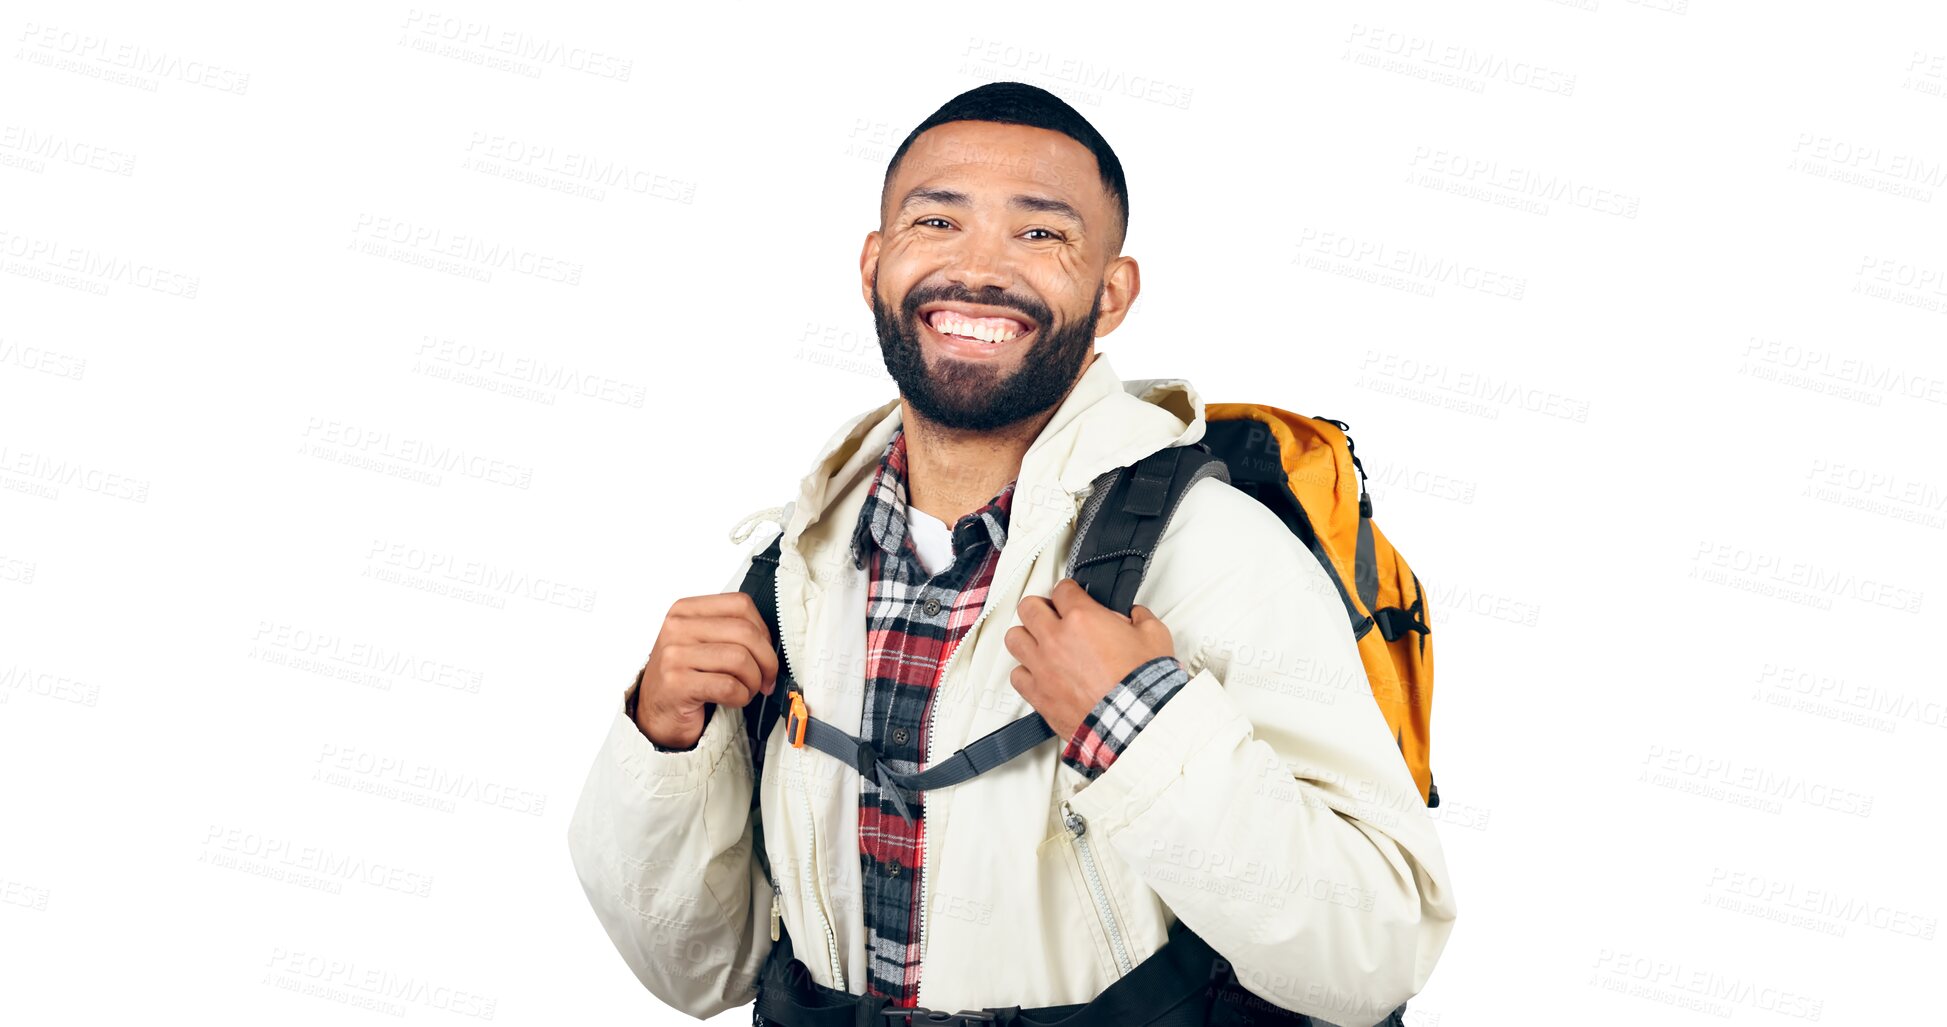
982,261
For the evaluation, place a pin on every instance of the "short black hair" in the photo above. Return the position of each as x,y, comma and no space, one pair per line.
1018,103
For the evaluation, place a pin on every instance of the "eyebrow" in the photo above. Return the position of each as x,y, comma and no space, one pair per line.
1019,201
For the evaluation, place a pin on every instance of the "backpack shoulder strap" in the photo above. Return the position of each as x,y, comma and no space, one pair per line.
1125,516
761,714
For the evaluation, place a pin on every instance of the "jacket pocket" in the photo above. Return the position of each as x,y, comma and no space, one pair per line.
1088,860
815,943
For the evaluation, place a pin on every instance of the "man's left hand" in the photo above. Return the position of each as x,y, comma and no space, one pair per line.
1073,651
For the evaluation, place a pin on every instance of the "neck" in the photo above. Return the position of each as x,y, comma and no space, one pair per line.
950,472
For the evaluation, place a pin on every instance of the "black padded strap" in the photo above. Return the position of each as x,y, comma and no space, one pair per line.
762,713
1115,550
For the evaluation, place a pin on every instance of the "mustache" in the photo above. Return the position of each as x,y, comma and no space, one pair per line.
1031,310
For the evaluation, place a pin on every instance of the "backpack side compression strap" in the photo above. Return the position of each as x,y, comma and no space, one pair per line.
1113,553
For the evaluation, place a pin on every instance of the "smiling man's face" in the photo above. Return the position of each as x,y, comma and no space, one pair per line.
995,267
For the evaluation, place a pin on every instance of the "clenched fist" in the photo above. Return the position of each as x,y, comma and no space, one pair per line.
712,651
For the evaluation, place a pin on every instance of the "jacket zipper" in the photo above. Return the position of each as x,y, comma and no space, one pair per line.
808,879
926,855
1078,829
805,869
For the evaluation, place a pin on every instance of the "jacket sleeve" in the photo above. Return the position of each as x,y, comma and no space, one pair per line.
661,841
1267,804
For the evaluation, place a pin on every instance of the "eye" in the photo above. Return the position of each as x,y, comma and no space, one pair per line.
942,221
1047,232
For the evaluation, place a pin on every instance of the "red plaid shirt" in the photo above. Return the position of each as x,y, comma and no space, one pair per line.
913,622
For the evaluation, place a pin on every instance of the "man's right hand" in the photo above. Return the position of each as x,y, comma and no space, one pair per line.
712,649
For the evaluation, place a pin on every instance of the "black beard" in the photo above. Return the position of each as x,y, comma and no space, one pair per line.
970,397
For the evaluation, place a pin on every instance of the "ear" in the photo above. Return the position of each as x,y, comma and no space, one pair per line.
1121,284
869,267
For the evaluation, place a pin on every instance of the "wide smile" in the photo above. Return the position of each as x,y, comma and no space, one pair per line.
969,347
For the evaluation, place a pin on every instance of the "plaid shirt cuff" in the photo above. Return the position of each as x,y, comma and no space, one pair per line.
1128,707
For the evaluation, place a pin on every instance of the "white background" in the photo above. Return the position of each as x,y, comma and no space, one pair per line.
1636,311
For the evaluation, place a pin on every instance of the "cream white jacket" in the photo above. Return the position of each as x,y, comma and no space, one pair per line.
1266,805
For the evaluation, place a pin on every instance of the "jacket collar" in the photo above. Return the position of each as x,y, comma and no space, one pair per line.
1104,422
885,519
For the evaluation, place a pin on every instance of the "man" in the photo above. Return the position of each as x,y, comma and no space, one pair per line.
1218,759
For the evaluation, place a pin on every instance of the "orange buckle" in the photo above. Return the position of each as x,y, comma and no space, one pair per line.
796,720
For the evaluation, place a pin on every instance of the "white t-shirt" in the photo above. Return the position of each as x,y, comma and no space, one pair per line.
932,537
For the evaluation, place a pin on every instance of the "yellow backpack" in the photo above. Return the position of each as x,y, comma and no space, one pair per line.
1304,470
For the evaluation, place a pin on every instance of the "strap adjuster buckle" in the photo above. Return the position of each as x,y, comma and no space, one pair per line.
796,721
917,1017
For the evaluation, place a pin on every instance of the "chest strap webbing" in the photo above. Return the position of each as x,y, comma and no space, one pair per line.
763,713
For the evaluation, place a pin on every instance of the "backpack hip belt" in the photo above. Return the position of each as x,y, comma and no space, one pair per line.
1183,984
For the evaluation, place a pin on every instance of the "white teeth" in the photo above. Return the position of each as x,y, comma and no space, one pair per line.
953,324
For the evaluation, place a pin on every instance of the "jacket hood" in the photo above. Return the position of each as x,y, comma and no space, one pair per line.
1104,422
